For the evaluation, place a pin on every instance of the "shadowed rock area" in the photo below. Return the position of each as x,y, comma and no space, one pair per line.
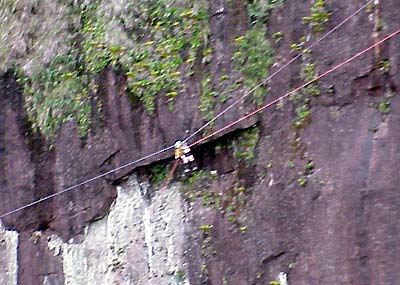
309,187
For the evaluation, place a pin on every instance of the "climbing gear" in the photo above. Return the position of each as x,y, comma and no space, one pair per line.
266,80
279,99
183,152
220,114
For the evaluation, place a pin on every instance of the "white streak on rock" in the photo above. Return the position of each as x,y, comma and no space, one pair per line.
139,242
8,256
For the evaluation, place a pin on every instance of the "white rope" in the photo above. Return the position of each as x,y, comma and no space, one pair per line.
277,71
193,134
85,182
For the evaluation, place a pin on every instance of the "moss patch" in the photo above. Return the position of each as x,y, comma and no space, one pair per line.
158,173
252,59
259,11
245,145
57,93
169,41
319,16
207,99
155,43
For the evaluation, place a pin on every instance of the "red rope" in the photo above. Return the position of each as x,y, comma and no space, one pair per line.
170,174
297,89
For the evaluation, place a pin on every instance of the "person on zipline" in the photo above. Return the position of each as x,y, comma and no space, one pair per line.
183,152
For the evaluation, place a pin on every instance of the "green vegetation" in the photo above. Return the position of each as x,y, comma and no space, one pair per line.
278,36
156,51
170,39
207,99
234,202
245,145
371,7
205,228
384,66
97,55
383,107
62,90
158,173
252,58
243,229
211,200
230,203
259,10
308,73
302,99
290,164
56,94
180,276
224,77
194,177
302,116
159,49
295,47
319,16
309,166
302,181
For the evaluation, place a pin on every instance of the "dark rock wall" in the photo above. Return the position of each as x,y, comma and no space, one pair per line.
332,223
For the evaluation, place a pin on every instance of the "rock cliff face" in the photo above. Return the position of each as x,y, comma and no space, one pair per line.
304,193
138,242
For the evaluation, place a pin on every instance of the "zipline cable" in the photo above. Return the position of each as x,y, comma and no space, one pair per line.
85,182
298,88
278,71
212,134
204,126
